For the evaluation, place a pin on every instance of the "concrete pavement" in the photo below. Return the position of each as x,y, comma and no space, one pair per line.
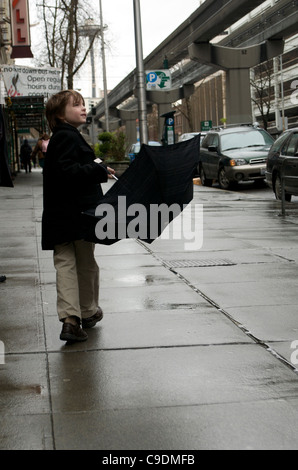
194,351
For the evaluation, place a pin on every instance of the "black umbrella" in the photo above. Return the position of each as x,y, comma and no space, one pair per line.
5,177
155,189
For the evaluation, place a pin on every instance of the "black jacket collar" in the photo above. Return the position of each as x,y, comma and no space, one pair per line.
66,126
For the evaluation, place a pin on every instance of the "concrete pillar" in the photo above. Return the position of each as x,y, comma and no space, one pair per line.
129,118
165,99
113,125
237,63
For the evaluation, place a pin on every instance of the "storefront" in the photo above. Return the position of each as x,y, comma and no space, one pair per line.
23,114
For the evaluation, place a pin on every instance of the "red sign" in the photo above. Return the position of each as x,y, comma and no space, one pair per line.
20,29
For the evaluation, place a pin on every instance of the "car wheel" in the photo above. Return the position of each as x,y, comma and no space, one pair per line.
223,180
278,190
205,181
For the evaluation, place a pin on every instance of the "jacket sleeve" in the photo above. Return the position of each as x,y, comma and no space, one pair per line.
75,159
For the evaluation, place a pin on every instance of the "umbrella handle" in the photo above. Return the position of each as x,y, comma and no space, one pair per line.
113,176
98,160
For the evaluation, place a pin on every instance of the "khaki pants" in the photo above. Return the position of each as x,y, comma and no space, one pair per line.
77,276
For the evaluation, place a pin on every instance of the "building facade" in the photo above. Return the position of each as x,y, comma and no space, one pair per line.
5,41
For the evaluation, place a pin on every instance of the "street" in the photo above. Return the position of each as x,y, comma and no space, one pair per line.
259,189
197,349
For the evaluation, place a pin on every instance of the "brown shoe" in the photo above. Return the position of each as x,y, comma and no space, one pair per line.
91,321
73,333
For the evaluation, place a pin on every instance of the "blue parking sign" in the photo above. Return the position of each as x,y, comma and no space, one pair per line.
158,80
170,122
151,77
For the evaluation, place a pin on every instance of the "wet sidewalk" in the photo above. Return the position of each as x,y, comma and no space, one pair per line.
194,351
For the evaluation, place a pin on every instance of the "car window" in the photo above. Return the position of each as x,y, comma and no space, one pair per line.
280,142
211,140
214,141
154,144
137,148
292,147
205,143
239,140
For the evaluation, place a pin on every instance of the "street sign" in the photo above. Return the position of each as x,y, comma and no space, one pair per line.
158,80
20,29
206,125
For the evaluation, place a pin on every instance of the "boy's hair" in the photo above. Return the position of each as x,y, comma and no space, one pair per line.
56,106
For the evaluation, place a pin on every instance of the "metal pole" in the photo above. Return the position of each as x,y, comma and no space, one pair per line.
141,86
283,195
93,71
93,137
104,70
282,95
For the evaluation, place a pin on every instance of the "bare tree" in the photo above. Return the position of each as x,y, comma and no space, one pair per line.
66,46
262,90
186,108
187,111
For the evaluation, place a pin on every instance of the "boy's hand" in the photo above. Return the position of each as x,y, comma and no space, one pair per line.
111,171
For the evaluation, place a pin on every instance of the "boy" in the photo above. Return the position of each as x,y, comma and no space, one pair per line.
71,185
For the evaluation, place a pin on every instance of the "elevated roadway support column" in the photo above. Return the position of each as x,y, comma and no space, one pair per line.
237,63
165,99
112,126
128,119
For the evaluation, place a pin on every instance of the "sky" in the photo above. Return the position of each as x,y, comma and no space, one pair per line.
159,19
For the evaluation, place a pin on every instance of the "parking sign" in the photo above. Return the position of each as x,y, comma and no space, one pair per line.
158,80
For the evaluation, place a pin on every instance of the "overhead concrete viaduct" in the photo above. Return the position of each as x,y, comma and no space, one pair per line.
204,24
237,63
209,20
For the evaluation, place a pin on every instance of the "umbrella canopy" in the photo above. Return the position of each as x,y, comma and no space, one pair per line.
155,189
5,177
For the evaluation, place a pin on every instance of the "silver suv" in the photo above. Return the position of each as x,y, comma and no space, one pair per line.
234,154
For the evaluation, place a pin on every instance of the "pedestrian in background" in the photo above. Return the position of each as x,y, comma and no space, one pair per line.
37,153
40,149
26,152
71,185
44,144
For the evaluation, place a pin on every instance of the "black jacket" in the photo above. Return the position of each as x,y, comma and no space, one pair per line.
25,153
71,185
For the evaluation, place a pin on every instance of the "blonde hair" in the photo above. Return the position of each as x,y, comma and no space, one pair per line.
56,106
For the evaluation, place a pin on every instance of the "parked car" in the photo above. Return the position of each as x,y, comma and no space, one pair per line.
136,147
283,161
191,135
234,154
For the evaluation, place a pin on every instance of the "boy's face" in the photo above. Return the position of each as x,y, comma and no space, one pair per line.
75,113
